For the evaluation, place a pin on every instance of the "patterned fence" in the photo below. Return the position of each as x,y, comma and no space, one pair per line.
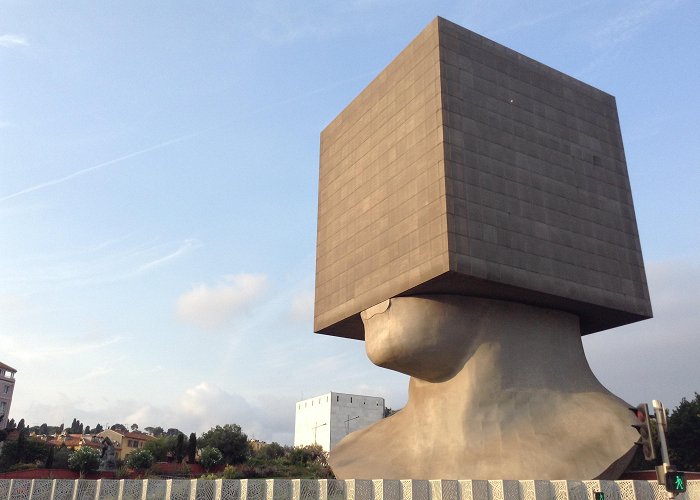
313,489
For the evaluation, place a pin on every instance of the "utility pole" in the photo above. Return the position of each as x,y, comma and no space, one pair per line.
666,474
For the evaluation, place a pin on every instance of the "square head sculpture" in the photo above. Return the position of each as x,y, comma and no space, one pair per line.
467,168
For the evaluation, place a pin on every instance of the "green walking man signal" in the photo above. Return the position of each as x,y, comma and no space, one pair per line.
675,482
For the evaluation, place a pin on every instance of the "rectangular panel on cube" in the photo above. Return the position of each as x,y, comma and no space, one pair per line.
468,168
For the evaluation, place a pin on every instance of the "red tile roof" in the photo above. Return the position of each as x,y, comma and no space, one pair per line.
73,440
134,435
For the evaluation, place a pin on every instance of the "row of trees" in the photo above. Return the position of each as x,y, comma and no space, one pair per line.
222,446
77,427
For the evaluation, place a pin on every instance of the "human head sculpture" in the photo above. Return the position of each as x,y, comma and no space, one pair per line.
475,219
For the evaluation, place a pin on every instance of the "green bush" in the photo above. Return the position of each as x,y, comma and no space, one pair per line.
84,460
230,441
210,457
60,458
17,467
122,472
140,460
230,472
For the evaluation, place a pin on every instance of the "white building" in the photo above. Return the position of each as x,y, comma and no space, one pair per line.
328,418
7,387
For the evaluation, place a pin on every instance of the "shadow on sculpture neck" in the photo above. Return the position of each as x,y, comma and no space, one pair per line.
498,390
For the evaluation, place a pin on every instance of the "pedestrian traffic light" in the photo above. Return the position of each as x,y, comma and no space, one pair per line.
675,482
642,413
598,495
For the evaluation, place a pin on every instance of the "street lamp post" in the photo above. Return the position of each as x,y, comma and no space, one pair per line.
316,427
347,424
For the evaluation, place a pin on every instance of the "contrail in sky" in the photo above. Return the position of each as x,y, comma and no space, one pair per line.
99,166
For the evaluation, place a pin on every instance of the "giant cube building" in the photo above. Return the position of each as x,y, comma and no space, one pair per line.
468,168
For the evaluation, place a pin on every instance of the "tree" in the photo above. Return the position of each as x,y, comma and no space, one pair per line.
10,425
388,412
192,448
60,458
20,425
210,457
134,427
172,431
160,447
43,429
98,429
684,434
21,445
156,431
87,430
84,460
76,427
24,450
229,439
272,451
140,460
119,428
180,448
49,458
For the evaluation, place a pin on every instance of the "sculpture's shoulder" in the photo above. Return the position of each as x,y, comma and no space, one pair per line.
382,446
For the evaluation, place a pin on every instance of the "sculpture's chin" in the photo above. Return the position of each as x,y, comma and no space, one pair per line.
418,364
412,336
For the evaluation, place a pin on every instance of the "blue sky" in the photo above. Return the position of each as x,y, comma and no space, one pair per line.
158,181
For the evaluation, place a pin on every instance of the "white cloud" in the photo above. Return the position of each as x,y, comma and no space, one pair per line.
186,247
215,307
303,307
58,349
196,409
11,303
525,20
206,405
12,41
108,262
95,373
286,23
628,23
99,166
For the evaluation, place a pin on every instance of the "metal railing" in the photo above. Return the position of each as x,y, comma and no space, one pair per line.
329,489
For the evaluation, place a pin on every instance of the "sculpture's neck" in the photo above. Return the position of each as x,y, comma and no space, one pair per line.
534,354
499,389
